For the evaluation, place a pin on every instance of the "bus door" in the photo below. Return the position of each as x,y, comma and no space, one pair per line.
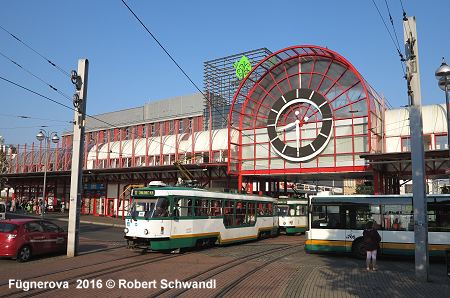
351,233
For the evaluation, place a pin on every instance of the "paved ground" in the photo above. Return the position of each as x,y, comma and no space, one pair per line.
276,267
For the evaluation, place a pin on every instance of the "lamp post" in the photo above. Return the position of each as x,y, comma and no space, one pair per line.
43,135
443,76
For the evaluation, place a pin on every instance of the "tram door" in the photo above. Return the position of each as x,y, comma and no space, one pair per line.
182,207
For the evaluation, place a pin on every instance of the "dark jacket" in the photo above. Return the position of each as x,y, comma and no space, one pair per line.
371,239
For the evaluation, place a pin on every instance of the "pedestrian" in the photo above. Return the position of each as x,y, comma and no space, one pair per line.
372,241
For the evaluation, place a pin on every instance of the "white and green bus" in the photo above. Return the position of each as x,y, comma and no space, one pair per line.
292,215
337,223
169,217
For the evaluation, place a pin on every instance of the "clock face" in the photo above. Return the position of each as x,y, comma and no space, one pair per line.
292,111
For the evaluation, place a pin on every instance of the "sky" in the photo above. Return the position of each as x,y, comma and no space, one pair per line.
127,68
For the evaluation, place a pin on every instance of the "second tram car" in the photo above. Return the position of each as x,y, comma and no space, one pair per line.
170,217
292,215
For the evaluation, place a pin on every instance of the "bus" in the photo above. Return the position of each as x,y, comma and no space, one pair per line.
337,223
170,218
292,215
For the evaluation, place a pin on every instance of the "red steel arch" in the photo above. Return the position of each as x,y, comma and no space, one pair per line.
356,111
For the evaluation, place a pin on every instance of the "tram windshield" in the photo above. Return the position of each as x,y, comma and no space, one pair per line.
150,208
283,210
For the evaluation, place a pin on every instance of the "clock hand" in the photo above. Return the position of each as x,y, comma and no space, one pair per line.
286,126
297,135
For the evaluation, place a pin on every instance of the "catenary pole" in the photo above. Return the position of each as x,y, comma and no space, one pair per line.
80,80
417,150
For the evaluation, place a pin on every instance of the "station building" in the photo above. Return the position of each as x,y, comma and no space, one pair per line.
264,123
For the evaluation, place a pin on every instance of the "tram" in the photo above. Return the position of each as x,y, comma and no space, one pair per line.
169,218
292,215
337,224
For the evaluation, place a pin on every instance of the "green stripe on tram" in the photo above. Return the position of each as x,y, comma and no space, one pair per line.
295,230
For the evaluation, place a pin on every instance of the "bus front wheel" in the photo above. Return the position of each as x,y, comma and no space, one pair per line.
359,249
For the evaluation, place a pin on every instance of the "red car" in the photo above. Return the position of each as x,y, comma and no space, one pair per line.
23,238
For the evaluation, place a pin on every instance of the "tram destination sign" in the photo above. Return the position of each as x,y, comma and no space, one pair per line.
143,192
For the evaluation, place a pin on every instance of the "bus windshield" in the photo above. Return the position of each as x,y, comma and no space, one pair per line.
150,208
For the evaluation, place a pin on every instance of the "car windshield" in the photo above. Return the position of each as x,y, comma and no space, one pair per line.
7,227
283,210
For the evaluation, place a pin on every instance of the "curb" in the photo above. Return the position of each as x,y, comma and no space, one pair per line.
115,225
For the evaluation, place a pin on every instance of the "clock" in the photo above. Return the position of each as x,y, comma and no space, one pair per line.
293,108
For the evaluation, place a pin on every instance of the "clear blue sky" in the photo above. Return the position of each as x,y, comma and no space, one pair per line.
127,68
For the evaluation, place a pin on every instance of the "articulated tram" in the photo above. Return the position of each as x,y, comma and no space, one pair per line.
170,217
292,215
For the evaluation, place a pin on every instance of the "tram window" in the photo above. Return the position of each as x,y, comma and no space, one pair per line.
182,207
269,210
261,208
438,217
398,217
228,213
216,209
251,213
162,208
240,212
292,211
201,207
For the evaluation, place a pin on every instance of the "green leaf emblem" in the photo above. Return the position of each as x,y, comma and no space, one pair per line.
243,67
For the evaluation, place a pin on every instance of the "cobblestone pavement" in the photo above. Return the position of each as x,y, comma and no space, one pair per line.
276,267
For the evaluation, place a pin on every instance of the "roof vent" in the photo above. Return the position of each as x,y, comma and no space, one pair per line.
156,183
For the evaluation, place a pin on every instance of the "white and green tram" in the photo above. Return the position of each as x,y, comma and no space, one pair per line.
292,215
171,217
337,223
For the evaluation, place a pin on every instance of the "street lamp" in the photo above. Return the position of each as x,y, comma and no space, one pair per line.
43,135
443,76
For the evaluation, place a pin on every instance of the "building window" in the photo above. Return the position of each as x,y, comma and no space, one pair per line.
406,144
144,131
190,125
111,135
127,133
152,129
171,127
180,126
441,142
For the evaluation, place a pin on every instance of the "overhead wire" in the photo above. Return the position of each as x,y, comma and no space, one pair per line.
185,74
35,76
35,51
34,118
392,39
73,109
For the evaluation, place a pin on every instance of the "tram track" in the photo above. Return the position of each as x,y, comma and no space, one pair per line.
221,268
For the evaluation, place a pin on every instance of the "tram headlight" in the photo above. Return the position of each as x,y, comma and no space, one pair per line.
125,230
284,223
146,232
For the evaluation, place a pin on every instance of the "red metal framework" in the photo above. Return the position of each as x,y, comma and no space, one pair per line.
356,111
